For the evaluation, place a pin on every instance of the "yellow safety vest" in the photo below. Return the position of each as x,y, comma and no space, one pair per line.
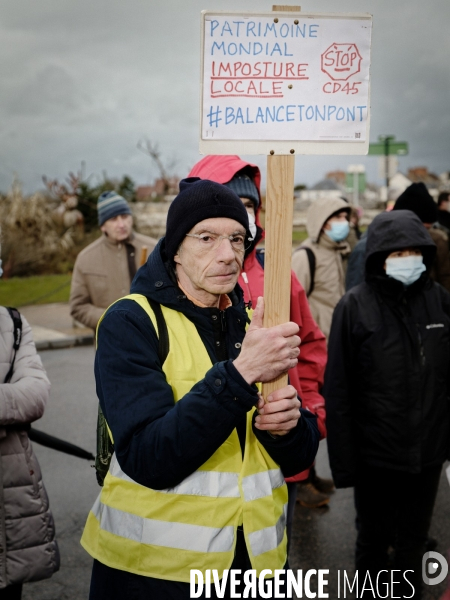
165,533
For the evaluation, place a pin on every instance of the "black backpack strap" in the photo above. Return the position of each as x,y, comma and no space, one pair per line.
105,447
17,325
312,266
163,334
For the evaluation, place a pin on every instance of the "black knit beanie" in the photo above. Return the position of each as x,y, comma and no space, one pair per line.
417,199
200,199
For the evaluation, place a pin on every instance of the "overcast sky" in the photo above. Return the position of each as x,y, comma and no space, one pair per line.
84,80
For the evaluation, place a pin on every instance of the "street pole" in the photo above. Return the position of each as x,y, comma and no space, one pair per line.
355,189
386,155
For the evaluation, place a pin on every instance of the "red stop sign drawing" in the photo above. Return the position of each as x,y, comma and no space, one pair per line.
341,61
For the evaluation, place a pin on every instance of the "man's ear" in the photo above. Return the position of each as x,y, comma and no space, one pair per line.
177,258
102,229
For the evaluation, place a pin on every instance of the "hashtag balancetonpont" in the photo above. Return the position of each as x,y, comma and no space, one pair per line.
284,113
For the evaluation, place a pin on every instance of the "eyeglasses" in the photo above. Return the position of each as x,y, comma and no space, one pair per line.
211,241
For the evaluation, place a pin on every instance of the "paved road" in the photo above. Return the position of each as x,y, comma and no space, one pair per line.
323,538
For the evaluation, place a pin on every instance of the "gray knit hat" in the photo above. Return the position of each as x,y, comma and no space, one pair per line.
244,187
109,205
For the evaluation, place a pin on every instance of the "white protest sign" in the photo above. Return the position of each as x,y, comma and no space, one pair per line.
285,82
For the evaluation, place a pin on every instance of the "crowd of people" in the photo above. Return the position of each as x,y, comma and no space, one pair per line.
202,472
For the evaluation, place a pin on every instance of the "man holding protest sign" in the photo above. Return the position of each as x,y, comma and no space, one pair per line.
197,481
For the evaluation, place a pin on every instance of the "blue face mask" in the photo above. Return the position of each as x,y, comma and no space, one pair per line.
339,230
406,269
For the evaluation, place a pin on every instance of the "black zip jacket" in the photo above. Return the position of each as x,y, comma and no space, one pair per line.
387,379
158,442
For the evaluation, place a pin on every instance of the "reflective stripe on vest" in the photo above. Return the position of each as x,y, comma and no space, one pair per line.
165,533
157,533
217,484
269,538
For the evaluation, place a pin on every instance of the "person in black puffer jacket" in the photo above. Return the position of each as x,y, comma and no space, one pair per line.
387,395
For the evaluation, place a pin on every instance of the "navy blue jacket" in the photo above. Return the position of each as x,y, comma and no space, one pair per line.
158,442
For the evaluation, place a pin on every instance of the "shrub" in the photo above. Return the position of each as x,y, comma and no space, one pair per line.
31,240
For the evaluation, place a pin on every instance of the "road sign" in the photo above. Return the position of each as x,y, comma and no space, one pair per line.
379,148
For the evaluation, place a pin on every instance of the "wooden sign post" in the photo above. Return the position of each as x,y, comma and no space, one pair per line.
278,224
277,262
281,84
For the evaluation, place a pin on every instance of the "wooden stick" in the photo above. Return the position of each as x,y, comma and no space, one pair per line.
277,263
279,220
144,255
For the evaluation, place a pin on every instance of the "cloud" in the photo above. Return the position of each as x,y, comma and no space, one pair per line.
86,80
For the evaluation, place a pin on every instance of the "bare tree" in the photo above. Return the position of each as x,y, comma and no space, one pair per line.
151,149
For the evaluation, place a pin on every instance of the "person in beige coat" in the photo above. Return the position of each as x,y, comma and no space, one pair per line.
327,226
104,270
28,549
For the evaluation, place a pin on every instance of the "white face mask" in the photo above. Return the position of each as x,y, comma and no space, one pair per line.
252,225
406,269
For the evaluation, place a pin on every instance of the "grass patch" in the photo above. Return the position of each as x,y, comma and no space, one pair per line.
39,289
299,236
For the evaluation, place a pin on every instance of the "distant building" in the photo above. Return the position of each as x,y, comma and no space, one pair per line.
422,175
337,176
399,182
327,188
144,193
397,185
161,188
444,179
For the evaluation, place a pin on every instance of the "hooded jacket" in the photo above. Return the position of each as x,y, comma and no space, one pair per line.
387,378
307,377
417,199
28,549
329,277
158,442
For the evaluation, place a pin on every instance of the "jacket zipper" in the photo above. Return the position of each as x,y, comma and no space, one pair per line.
421,348
422,358
223,322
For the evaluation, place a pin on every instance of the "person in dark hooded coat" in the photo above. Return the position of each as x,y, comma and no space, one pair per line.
417,198
387,395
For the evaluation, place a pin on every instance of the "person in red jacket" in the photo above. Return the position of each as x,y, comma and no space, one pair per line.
244,179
